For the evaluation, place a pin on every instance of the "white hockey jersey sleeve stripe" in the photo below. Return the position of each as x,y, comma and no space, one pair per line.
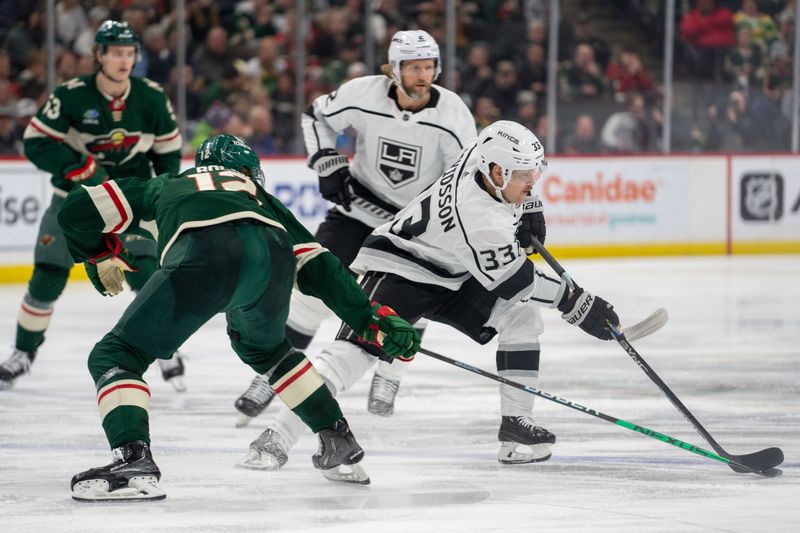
512,286
113,207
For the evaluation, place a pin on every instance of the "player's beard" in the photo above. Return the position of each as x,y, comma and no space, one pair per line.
414,92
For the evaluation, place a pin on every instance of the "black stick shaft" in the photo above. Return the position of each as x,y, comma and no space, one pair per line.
589,411
637,358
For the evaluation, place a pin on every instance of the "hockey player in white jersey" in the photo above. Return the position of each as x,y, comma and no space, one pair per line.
409,132
451,256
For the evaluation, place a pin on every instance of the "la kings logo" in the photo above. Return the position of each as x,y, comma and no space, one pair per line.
761,196
398,162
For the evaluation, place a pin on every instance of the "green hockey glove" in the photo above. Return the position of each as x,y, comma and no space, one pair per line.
397,337
86,172
106,269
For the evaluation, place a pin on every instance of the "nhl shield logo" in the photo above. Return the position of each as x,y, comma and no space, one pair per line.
761,196
398,162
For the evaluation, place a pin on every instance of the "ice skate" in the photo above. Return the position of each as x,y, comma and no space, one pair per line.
132,476
268,452
523,442
254,400
381,395
172,370
339,454
18,364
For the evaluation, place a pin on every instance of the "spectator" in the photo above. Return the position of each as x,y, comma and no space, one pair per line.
477,74
526,109
627,131
26,109
533,72
785,41
762,27
84,43
505,88
743,63
160,59
542,128
71,20
33,80
707,30
485,112
10,137
584,34
86,65
66,66
581,78
136,17
194,91
226,85
9,87
583,138
24,38
778,79
283,109
268,63
334,36
261,138
628,75
210,60
203,16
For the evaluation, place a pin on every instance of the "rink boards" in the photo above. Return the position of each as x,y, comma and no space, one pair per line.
595,206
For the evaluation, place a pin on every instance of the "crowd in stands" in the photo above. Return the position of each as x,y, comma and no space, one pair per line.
240,74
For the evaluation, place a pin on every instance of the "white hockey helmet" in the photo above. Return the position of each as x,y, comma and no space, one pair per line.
512,146
413,44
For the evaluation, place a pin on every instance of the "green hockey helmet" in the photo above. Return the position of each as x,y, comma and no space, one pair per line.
114,32
230,152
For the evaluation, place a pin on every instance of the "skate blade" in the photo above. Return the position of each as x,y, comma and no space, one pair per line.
242,420
514,453
177,384
260,461
354,473
140,488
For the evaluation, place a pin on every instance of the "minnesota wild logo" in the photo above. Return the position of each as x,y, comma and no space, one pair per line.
114,146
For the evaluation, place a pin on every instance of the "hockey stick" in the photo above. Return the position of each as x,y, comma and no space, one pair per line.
732,461
760,462
648,326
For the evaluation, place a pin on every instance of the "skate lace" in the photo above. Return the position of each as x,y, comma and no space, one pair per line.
384,389
18,363
259,390
526,422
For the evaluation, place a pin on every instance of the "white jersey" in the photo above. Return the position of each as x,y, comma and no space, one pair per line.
456,230
398,153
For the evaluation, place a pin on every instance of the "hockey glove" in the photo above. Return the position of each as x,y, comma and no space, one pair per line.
531,224
397,337
333,170
87,171
589,313
106,269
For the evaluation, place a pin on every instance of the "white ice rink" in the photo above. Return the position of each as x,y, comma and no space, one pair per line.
731,352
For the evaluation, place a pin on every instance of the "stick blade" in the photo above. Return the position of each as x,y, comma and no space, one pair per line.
763,462
648,326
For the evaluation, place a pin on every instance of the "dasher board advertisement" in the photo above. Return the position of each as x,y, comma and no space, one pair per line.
765,202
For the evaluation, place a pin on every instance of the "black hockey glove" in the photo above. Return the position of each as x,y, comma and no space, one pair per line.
333,170
589,313
531,224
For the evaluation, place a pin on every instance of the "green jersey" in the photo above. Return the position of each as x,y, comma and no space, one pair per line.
168,205
125,135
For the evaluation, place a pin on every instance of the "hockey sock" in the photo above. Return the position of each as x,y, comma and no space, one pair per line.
46,285
147,266
123,397
519,363
303,390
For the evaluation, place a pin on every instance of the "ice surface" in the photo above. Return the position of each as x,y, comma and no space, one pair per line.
731,352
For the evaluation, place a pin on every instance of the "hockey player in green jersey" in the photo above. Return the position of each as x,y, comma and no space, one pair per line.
93,128
224,245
